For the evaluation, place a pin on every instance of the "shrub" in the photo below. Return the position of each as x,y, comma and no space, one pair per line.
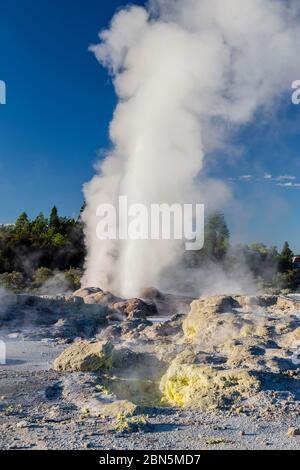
73,278
41,276
13,281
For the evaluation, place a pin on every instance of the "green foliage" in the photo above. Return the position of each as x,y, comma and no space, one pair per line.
289,280
13,281
73,278
261,261
55,244
4,264
54,221
39,225
279,281
293,279
285,259
58,240
260,248
22,227
41,276
216,242
50,251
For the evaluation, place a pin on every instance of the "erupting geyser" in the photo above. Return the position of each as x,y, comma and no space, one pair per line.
181,70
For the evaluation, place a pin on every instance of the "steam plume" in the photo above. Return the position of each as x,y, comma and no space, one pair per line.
182,70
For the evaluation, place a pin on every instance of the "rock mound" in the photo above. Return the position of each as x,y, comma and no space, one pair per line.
204,310
228,352
55,317
84,356
95,295
206,387
136,308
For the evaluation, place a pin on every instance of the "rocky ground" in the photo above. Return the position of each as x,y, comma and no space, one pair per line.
97,372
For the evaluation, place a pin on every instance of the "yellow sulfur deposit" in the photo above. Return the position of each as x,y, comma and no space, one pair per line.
117,408
254,330
84,356
203,311
206,387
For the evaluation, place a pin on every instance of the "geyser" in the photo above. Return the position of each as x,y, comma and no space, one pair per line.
182,70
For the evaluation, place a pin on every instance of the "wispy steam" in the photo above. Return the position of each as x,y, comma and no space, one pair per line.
182,70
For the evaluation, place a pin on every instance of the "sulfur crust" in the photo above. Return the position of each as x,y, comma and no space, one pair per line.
206,387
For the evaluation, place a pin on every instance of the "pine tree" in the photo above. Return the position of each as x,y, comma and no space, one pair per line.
54,221
22,226
285,259
217,235
39,225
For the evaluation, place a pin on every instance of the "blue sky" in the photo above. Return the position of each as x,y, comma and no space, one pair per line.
60,102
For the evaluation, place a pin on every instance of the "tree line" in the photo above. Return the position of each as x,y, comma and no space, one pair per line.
48,253
273,270
33,252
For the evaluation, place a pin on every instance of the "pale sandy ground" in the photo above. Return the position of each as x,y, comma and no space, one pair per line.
33,415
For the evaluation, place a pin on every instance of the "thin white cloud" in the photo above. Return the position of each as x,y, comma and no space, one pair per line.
289,185
285,185
246,177
285,177
284,181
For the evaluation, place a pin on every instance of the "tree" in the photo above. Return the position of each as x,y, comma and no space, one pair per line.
12,281
22,226
54,221
39,226
58,240
285,259
73,277
293,279
260,248
82,209
288,280
41,276
28,245
4,263
217,235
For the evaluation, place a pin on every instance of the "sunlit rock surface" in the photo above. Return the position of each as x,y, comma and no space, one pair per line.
84,356
228,352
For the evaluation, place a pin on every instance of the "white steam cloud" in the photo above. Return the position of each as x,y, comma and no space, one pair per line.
182,70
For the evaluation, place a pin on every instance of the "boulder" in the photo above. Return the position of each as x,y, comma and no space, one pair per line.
84,356
136,308
287,303
95,295
118,408
189,384
130,329
102,298
250,301
151,293
291,340
204,310
170,330
85,291
167,304
292,432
